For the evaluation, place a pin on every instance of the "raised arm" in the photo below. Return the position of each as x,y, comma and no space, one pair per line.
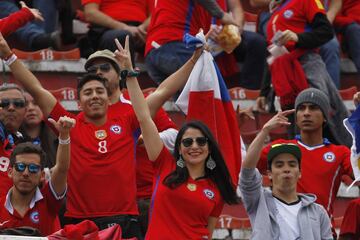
43,97
150,134
254,150
334,8
60,170
237,11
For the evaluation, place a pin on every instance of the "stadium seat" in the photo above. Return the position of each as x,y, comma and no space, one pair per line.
242,97
231,222
48,54
67,97
347,96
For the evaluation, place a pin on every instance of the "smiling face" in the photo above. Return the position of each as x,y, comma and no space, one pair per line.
195,154
94,100
12,115
26,182
309,117
285,172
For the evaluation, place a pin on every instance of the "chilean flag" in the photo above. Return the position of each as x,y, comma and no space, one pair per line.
352,124
205,97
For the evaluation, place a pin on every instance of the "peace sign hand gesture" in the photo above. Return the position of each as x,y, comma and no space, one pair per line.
122,55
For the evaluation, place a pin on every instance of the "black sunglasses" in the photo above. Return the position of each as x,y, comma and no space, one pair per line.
104,67
201,141
33,168
17,103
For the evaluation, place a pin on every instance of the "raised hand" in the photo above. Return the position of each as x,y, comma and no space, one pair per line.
63,125
34,11
280,119
122,54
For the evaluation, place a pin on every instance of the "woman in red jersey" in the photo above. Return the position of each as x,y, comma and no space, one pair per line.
190,185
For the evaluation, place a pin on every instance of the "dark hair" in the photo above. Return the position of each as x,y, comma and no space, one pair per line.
219,175
92,77
10,86
28,147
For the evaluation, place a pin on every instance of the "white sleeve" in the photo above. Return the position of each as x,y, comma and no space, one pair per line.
168,137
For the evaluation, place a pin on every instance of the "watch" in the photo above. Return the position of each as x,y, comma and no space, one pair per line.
125,74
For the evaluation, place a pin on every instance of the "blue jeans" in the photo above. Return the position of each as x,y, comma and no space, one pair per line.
49,11
330,54
352,36
167,59
27,33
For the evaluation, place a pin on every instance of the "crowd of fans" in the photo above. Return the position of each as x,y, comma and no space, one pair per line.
121,160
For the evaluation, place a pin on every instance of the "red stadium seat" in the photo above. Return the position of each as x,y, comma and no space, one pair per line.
67,97
347,96
48,54
348,93
66,93
238,93
230,222
242,97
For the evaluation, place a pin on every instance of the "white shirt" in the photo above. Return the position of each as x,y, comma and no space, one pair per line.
287,218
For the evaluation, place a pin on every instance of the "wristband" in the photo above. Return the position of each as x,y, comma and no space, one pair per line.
64,141
9,60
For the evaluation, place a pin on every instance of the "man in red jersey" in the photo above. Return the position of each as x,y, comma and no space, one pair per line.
323,163
102,184
104,64
12,112
26,204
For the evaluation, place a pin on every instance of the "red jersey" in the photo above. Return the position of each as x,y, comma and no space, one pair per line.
15,21
170,20
321,170
349,13
101,177
144,167
183,212
6,147
351,221
42,213
294,15
124,10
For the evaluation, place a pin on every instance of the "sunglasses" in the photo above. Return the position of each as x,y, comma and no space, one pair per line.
104,67
33,168
200,141
17,103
